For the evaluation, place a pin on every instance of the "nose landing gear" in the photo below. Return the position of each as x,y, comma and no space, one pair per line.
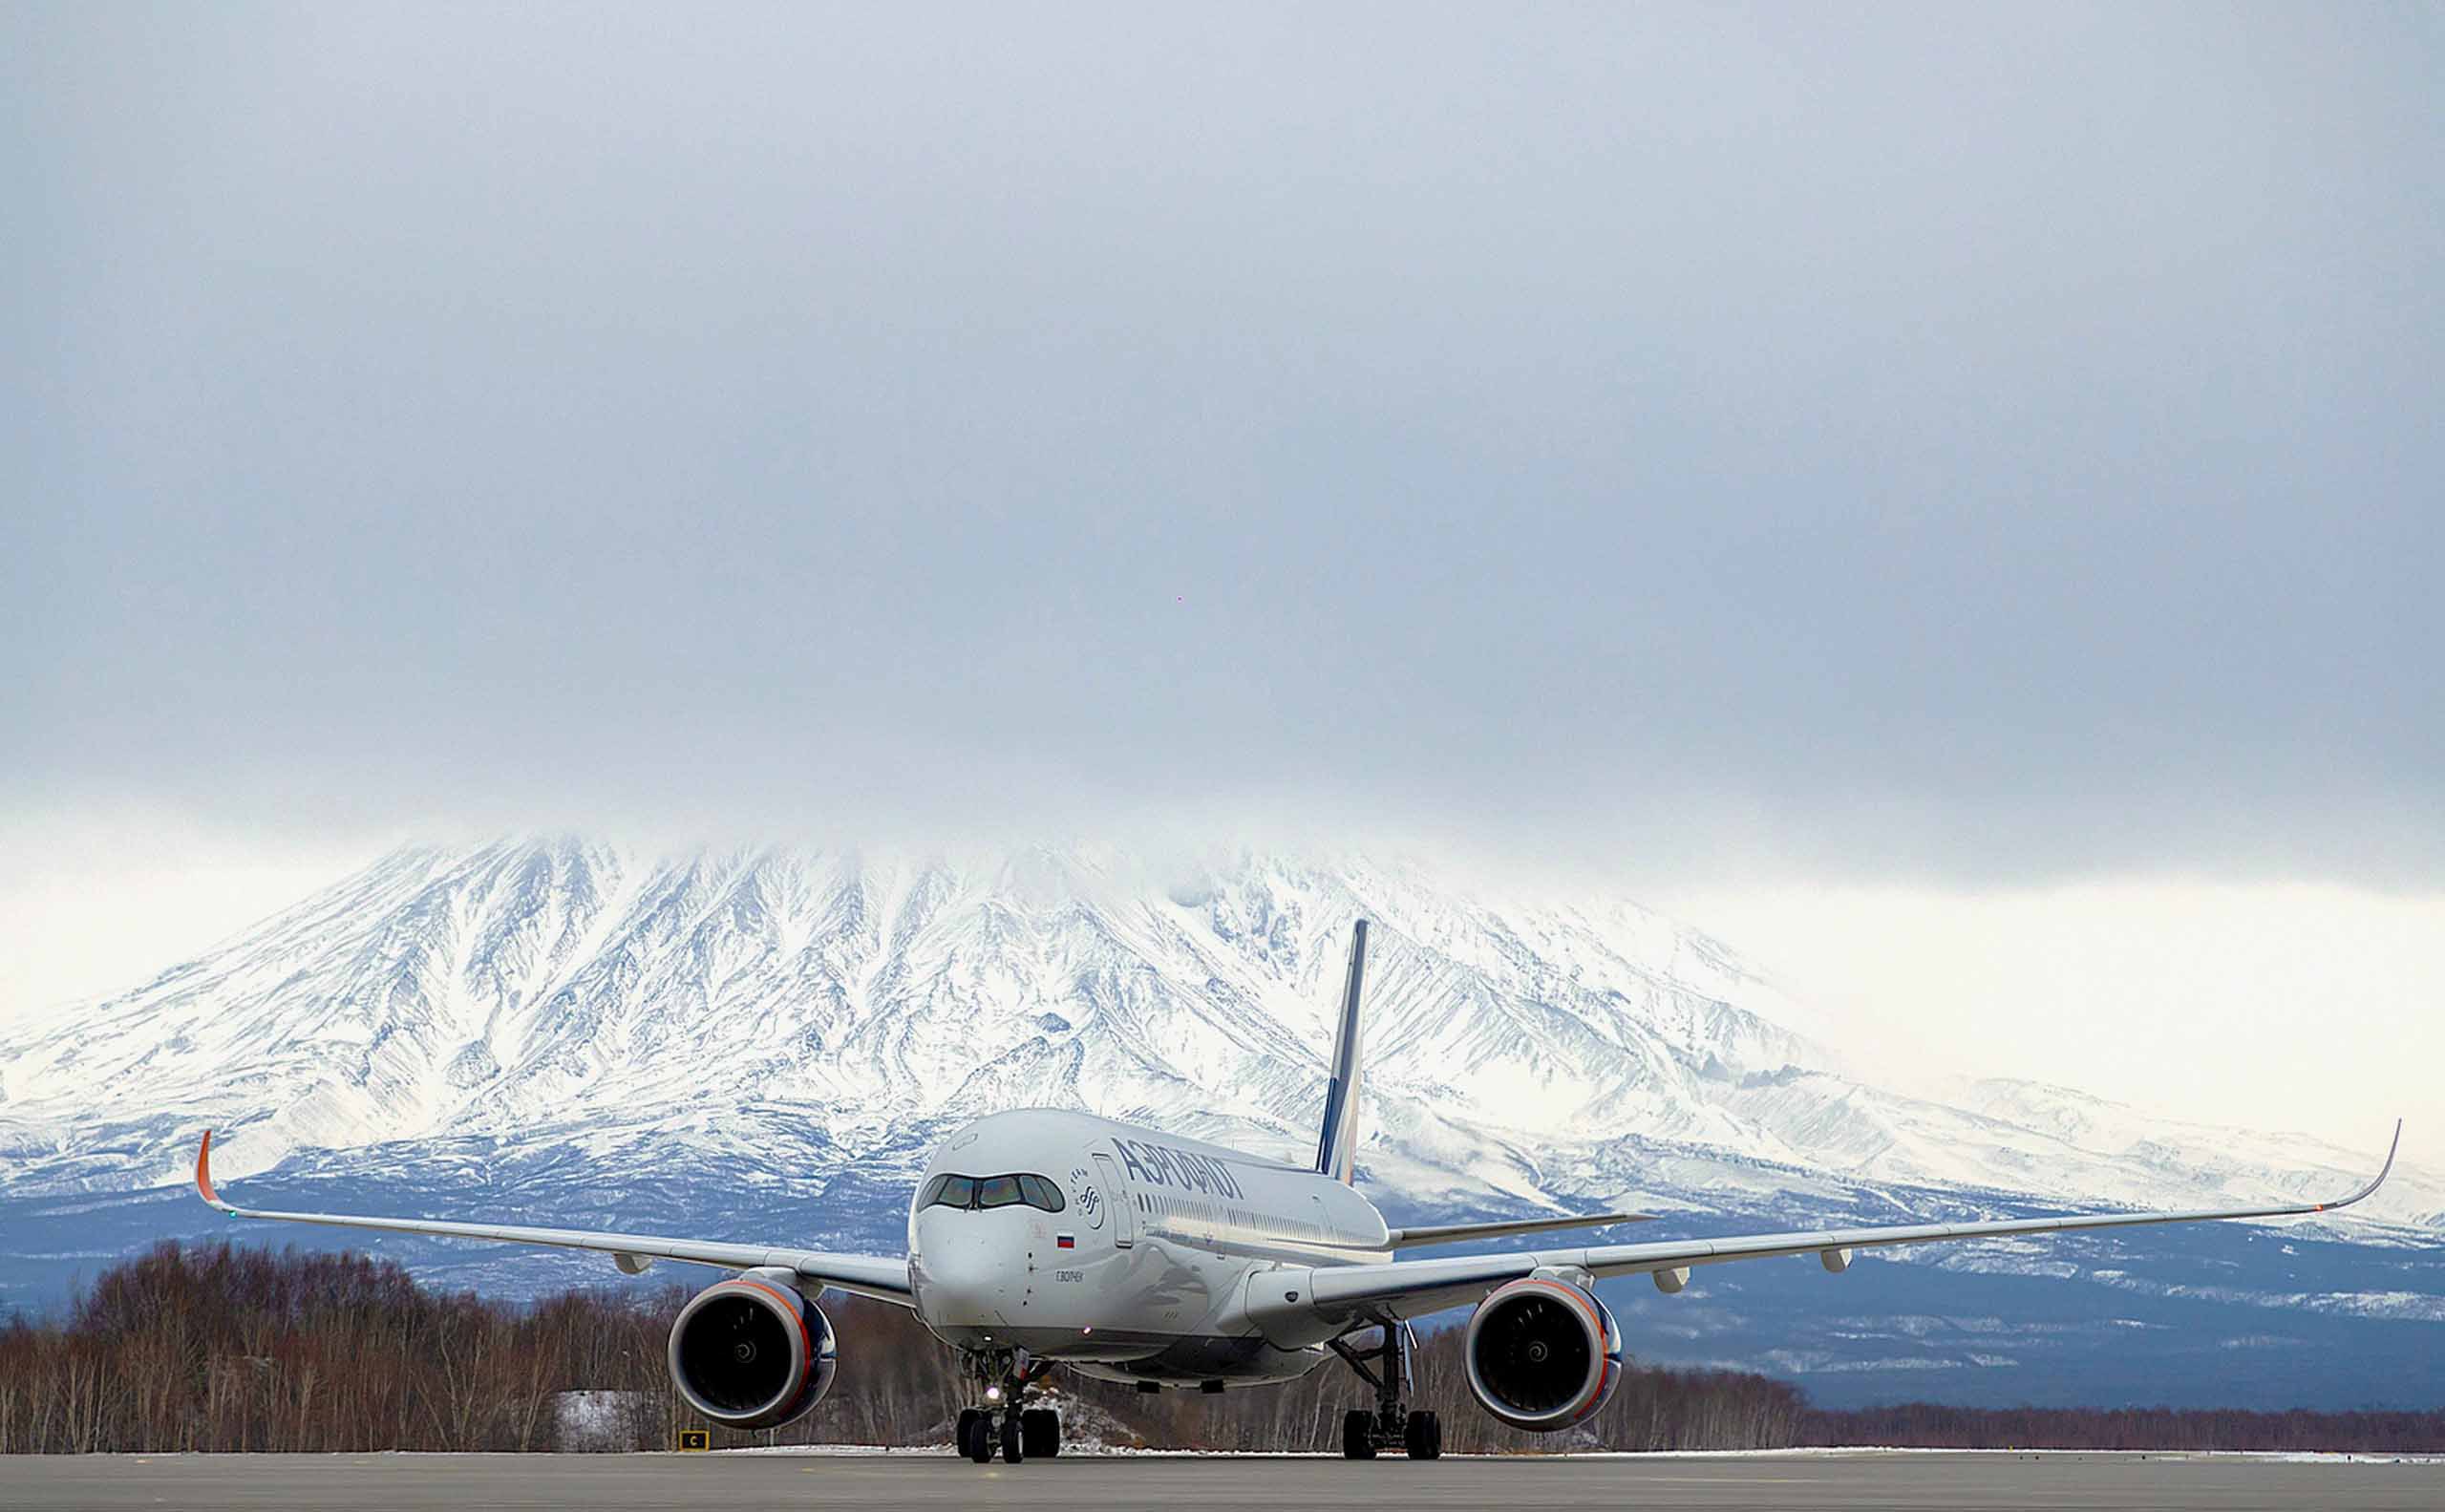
1391,1425
1006,1422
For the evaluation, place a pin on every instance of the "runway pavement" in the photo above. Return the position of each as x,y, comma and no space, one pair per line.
740,1482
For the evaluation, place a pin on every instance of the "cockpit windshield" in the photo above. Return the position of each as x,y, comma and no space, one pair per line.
997,1191
953,1191
992,1191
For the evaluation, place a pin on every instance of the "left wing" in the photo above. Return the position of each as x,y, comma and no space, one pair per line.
1409,1289
876,1276
1506,1228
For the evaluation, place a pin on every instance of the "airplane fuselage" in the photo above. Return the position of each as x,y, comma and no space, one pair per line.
1142,1273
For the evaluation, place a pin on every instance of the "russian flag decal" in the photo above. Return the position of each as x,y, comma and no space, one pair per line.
1066,1240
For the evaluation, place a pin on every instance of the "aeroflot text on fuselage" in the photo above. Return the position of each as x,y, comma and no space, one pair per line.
1165,1166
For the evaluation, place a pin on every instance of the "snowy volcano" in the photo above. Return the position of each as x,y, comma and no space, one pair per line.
803,1009
583,1033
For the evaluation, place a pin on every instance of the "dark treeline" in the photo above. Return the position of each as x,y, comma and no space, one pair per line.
231,1348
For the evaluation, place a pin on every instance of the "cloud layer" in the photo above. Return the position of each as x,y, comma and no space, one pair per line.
1907,444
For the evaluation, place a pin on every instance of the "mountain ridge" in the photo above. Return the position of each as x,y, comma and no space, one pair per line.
550,982
764,1043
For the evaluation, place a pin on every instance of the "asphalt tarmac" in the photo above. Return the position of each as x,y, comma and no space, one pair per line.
743,1483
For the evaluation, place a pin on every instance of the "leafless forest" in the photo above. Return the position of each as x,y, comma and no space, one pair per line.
232,1348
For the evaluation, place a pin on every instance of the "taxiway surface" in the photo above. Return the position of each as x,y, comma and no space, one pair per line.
739,1483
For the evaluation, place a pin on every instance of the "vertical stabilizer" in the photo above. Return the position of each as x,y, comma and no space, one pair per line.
1337,1143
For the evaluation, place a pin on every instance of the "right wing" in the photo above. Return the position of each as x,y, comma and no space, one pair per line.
1409,1289
876,1276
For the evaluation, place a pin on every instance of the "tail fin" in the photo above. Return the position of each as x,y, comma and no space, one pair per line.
1337,1144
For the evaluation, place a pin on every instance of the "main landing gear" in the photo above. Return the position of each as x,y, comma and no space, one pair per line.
1391,1425
1006,1424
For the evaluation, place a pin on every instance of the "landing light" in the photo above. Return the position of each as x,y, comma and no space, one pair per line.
992,1394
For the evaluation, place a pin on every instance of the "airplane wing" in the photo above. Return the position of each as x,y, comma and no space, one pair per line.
1409,1289
880,1277
1507,1228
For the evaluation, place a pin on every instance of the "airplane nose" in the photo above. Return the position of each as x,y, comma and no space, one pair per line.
964,1278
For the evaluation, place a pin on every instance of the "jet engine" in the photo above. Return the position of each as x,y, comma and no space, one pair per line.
752,1353
1543,1354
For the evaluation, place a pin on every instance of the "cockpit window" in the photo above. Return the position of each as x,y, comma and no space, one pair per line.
997,1191
1042,1193
953,1191
991,1191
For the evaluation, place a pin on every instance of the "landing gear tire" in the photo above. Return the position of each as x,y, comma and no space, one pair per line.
968,1416
1357,1434
1391,1425
976,1435
1012,1450
1040,1432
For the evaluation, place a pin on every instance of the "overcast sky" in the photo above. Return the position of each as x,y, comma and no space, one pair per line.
1878,476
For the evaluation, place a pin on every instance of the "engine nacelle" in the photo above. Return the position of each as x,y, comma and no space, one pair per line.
1543,1354
752,1353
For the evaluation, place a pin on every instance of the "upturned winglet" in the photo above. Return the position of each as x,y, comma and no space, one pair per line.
2380,1180
203,1175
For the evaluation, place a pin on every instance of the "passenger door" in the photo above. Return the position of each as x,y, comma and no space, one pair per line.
1124,1209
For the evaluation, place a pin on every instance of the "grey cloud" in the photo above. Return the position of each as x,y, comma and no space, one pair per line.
1901,441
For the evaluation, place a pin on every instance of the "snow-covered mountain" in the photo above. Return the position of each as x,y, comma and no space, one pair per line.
763,1044
773,1015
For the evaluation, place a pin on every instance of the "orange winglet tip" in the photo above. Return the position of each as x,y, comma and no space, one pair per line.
204,1172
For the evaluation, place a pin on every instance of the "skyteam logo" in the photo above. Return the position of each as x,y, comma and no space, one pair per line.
1162,1166
1091,1201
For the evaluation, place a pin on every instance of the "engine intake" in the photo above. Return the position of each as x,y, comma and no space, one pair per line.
1543,1354
752,1353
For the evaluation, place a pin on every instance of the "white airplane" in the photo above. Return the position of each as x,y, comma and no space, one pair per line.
1042,1237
